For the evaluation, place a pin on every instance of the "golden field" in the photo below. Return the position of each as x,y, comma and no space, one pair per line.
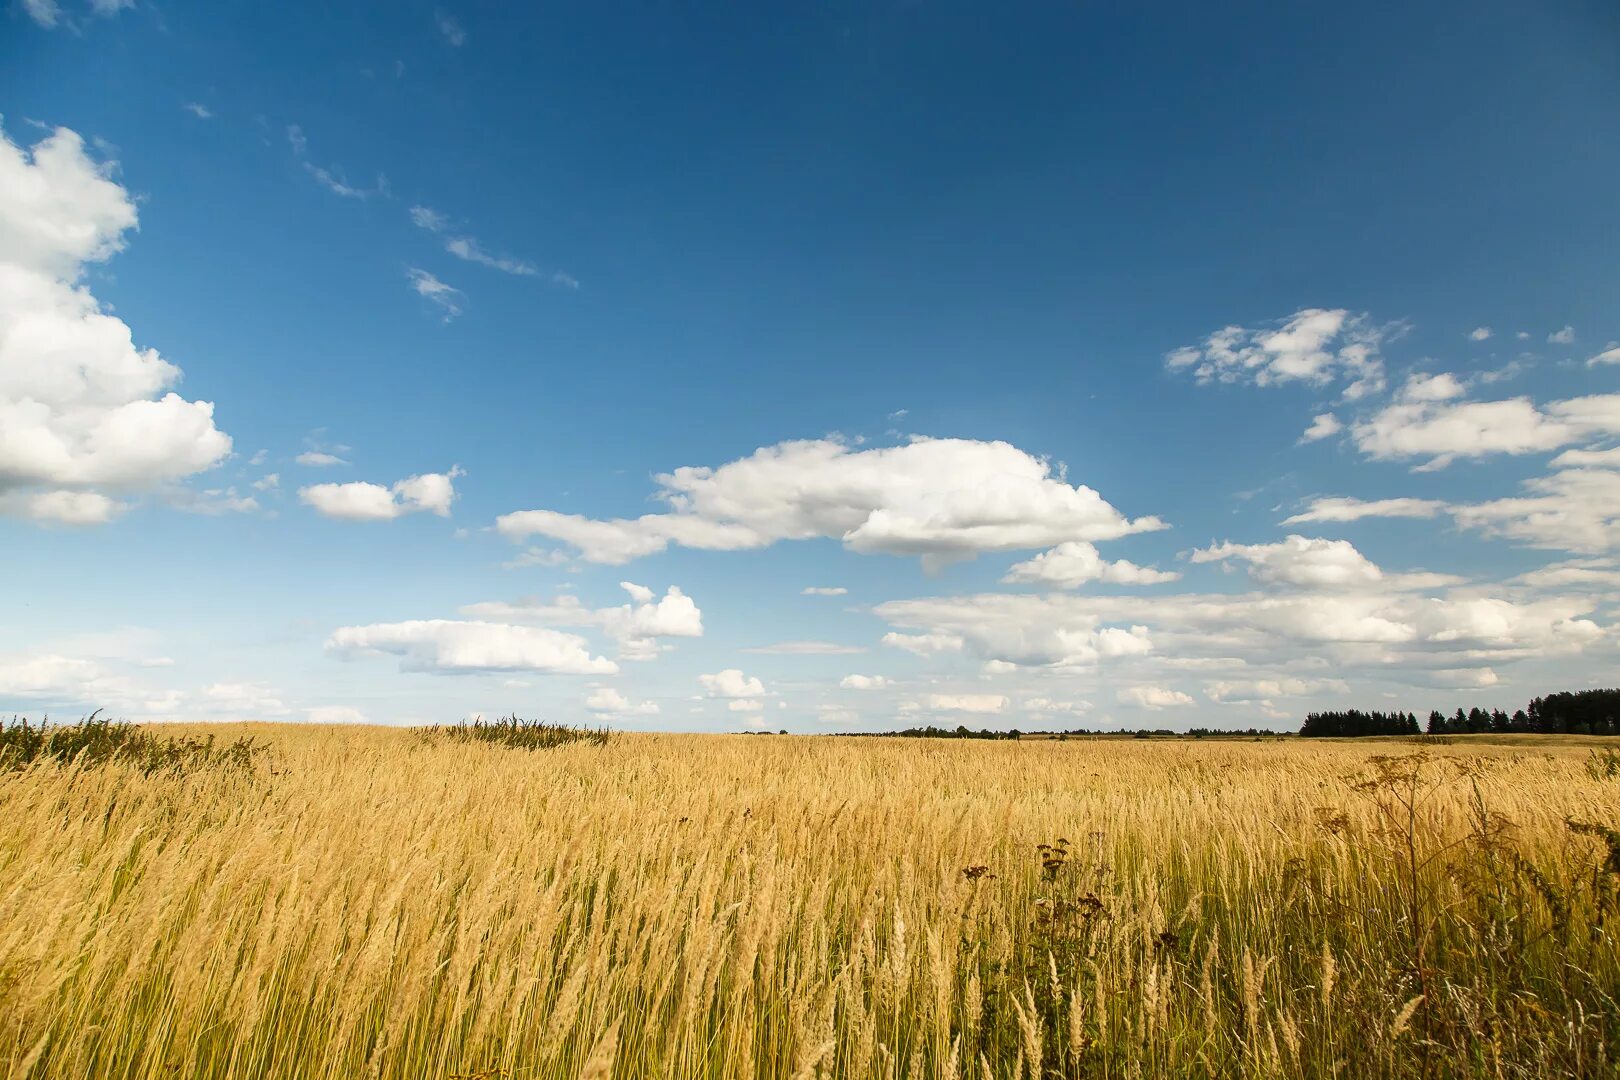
363,902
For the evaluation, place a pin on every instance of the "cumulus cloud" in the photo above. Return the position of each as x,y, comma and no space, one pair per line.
446,646
863,682
429,492
1444,430
1315,346
1479,333
1598,459
636,626
1298,560
1574,510
1610,355
823,590
1323,426
731,683
965,703
1041,707
941,499
1242,691
61,507
334,714
1566,336
1076,562
609,701
85,415
1152,697
924,644
1441,387
319,459
1379,629
1339,508
243,701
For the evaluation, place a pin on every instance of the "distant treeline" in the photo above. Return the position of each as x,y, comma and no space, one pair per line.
1354,722
1584,712
963,732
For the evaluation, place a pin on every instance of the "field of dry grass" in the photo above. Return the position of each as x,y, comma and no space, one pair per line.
372,903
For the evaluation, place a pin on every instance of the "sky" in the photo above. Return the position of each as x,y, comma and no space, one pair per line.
847,368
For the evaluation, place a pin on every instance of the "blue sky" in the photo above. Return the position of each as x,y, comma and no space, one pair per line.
1123,367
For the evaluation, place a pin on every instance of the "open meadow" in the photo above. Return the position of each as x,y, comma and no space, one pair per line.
370,902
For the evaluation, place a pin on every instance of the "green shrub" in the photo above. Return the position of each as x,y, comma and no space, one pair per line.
517,733
94,741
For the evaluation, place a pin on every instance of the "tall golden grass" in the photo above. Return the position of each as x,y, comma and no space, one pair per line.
376,903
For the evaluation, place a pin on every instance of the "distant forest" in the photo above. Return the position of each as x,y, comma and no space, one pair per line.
1584,712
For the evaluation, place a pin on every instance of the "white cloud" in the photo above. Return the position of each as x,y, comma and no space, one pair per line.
212,501
1566,336
332,179
334,714
748,705
1444,431
44,12
47,675
201,112
1316,346
863,682
1152,697
824,590
1041,707
1348,509
429,287
318,459
806,648
243,701
1032,644
267,482
968,703
1381,629
635,626
609,701
445,646
1076,562
449,28
429,492
1599,459
83,411
1298,560
1442,387
1323,426
1580,573
941,499
1610,355
465,247
1265,690
731,683
1568,510
1480,333
924,644
62,507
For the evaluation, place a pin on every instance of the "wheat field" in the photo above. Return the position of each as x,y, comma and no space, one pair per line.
367,902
